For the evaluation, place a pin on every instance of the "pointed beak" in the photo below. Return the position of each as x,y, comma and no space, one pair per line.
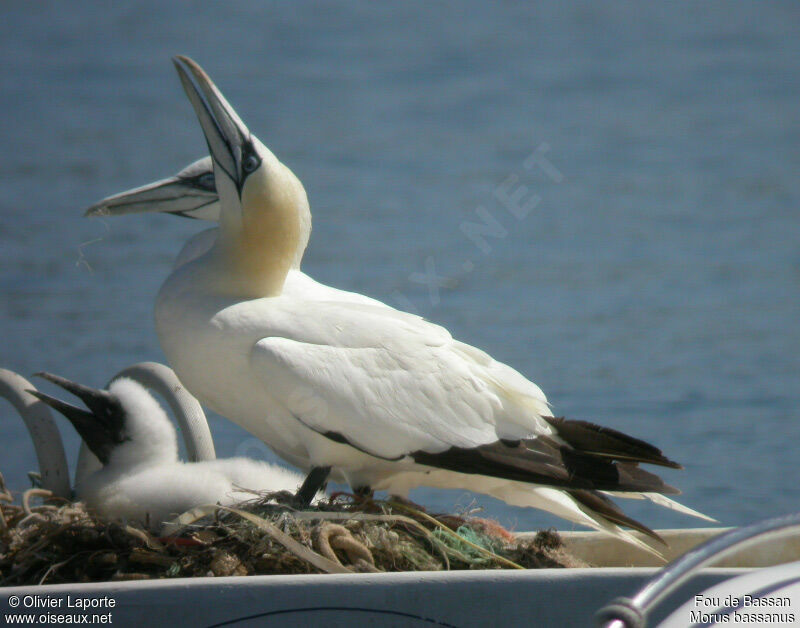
75,415
97,401
225,132
175,195
101,428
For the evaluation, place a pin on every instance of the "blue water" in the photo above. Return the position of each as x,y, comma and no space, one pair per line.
654,286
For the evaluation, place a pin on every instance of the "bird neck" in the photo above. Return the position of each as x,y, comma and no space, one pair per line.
257,251
256,262
149,437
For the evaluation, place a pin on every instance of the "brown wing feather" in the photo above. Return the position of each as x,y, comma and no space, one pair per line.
608,443
602,505
541,460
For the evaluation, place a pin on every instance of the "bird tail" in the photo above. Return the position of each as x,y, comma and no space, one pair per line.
664,501
587,508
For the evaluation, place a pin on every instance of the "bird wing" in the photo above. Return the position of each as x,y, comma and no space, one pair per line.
391,383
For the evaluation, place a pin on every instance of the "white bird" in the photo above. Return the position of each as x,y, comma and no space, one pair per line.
387,398
142,478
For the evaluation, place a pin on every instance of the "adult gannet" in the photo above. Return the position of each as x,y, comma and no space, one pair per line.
192,194
142,478
387,398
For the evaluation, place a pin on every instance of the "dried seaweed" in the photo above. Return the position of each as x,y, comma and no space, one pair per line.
59,542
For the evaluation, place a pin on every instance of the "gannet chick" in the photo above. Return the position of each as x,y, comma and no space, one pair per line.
141,478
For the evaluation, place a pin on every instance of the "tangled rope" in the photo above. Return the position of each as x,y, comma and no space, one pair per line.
330,536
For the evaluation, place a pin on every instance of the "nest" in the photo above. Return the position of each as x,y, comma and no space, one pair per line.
62,542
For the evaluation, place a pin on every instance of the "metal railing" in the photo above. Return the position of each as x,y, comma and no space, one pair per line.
632,612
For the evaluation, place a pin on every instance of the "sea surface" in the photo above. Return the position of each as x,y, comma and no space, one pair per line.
634,168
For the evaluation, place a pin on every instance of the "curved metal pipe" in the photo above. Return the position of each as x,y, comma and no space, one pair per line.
631,613
187,411
43,431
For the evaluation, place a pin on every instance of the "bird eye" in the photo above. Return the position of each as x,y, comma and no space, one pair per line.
207,182
250,163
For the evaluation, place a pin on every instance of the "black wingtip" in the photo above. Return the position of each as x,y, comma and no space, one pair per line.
606,508
606,442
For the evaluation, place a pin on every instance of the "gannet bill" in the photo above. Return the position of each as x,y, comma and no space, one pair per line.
142,478
387,398
191,193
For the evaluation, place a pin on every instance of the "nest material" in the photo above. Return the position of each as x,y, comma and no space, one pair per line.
61,542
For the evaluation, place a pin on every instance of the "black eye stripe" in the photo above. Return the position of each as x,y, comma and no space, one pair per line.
206,181
250,159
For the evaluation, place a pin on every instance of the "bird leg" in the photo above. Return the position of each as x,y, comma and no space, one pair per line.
363,492
315,480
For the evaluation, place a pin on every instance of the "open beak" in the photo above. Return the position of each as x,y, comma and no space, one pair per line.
102,427
191,193
226,134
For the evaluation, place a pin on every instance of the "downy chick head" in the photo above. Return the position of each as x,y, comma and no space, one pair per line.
123,426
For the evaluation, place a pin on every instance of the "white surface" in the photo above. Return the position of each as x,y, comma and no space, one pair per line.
545,597
605,551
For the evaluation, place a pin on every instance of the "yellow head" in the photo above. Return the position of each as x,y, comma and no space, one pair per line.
265,220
